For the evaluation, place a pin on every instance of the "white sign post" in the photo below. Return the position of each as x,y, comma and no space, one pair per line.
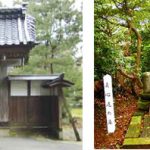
109,103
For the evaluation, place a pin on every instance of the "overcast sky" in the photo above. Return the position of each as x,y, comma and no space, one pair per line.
8,3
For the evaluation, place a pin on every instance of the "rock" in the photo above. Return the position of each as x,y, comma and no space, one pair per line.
146,82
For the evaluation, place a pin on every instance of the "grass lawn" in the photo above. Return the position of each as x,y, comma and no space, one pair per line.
76,112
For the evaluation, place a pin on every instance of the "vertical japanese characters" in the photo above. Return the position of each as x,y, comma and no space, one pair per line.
109,103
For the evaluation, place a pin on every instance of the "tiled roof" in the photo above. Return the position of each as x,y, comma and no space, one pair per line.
16,27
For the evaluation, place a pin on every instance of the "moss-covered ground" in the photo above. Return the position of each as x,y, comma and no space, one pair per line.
138,134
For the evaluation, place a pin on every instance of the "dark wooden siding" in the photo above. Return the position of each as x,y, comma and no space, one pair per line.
34,111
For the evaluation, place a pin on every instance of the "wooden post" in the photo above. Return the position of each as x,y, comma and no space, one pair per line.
4,110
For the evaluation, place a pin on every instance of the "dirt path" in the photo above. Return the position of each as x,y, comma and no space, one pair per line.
124,109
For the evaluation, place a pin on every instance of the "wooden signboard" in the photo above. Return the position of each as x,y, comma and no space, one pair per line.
109,103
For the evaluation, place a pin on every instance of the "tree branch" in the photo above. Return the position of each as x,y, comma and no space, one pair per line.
126,75
139,44
118,24
132,77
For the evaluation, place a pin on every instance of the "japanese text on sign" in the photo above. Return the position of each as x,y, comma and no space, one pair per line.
109,103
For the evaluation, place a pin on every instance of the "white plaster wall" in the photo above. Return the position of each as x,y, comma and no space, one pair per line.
18,88
37,89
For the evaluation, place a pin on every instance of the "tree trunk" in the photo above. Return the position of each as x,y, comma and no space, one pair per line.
51,65
139,44
51,68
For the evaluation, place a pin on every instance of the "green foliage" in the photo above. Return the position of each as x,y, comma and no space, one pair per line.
111,35
76,112
106,50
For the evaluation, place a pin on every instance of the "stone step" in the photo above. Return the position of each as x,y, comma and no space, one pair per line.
134,129
136,120
136,143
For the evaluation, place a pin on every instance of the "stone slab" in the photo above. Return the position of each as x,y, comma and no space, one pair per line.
133,131
136,120
134,127
134,143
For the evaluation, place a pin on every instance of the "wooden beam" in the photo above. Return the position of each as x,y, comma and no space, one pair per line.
12,48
